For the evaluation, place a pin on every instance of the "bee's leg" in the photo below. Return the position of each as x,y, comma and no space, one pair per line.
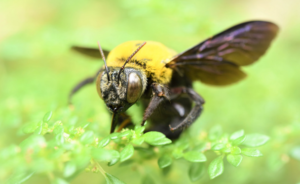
159,93
79,86
196,110
124,121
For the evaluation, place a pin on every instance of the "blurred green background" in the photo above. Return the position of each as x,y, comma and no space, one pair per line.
38,69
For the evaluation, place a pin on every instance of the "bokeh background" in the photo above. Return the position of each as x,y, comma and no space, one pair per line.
38,69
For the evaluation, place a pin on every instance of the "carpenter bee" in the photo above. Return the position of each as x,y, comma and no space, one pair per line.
154,74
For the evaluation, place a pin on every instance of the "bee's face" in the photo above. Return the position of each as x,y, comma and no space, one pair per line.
119,96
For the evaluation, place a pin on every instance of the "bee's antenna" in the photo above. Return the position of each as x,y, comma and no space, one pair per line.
129,58
103,57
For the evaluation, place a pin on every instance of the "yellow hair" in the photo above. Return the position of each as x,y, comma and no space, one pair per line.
151,59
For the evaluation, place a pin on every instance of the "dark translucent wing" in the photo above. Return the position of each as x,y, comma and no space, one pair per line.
217,59
92,52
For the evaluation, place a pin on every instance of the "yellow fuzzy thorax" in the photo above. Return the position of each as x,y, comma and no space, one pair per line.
151,59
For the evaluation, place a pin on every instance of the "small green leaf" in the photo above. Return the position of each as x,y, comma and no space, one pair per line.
254,140
239,140
194,156
113,162
29,128
69,169
87,137
59,181
218,146
138,141
215,132
216,167
234,160
110,179
101,154
177,153
114,136
47,116
139,129
235,150
153,136
147,180
226,149
39,128
156,138
125,134
126,153
251,152
196,171
164,161
104,142
19,178
237,134
160,142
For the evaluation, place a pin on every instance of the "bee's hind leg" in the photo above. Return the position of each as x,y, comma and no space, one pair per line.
196,110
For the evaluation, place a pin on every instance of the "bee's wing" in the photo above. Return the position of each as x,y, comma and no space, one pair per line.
216,60
92,52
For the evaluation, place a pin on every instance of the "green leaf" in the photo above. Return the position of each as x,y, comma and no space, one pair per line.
194,156
138,141
29,128
19,178
216,167
69,169
196,171
110,179
114,136
101,154
104,142
139,129
164,161
153,136
39,128
147,180
126,153
218,146
226,149
59,181
235,150
177,153
156,138
47,116
254,140
35,142
234,160
237,134
215,132
126,134
113,162
239,140
87,137
251,152
237,137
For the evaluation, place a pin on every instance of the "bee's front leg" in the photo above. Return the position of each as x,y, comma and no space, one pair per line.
159,93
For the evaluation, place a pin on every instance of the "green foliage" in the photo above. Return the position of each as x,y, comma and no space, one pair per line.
37,71
65,149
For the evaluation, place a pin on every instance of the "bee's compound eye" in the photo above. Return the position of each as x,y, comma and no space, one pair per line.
98,81
134,88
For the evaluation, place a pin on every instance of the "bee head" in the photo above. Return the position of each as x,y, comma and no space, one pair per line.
120,87
120,93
